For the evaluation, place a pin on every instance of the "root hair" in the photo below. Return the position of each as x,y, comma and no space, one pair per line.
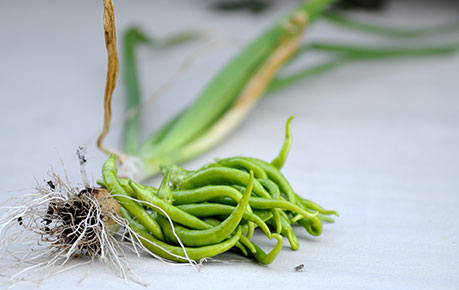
53,226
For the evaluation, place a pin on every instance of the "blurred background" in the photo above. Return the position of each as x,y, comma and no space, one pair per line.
376,140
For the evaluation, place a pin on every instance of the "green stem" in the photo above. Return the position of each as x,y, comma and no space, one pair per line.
363,52
177,39
132,38
349,23
348,54
282,82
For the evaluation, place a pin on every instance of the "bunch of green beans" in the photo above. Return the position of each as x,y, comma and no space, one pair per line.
206,212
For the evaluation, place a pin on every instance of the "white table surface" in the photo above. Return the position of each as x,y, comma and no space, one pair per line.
379,141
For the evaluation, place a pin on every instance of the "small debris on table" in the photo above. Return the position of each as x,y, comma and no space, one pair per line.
299,268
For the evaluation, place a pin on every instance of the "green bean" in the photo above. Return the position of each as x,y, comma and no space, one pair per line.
273,189
263,203
213,221
213,209
275,175
239,188
239,245
264,214
286,228
275,211
241,248
112,184
247,243
314,229
175,253
204,194
326,218
207,193
223,200
308,204
243,163
222,176
294,219
178,174
279,161
251,229
287,231
174,213
195,238
264,258
266,203
124,182
132,219
164,191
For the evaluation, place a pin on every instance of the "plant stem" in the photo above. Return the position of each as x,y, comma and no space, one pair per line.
349,23
365,52
132,38
112,69
282,82
347,54
219,95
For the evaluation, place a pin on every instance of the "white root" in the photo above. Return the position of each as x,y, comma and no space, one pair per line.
45,232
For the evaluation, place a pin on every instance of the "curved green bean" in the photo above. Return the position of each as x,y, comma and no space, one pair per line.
125,184
273,189
174,213
308,204
288,232
267,203
221,176
326,218
275,175
315,229
205,193
248,244
214,209
216,234
243,163
279,161
109,170
164,191
241,246
264,258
